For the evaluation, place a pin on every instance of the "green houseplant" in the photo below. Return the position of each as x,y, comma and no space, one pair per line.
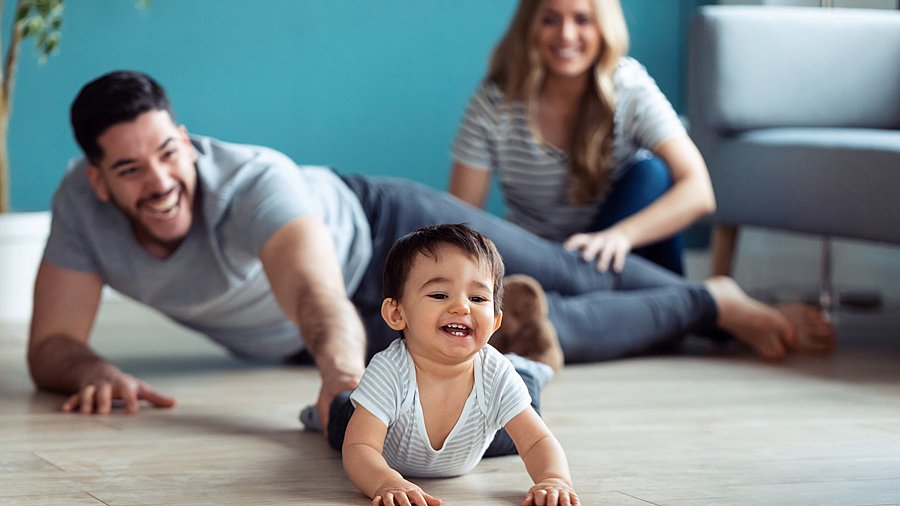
22,234
38,19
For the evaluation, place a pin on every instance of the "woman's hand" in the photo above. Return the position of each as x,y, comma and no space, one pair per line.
610,246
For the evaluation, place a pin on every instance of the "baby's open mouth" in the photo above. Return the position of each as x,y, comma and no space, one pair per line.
455,329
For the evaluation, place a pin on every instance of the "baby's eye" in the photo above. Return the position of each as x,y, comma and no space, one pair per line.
478,298
438,296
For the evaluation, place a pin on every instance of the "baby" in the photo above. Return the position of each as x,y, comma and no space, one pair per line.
430,404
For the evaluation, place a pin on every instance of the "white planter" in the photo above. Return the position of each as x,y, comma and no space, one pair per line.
22,239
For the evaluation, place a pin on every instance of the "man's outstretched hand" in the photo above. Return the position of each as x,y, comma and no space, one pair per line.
333,384
101,391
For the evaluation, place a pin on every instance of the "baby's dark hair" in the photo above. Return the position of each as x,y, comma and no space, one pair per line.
427,241
116,97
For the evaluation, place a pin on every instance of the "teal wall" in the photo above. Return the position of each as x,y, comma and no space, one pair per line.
369,86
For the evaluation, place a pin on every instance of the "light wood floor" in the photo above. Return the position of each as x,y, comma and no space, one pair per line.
706,426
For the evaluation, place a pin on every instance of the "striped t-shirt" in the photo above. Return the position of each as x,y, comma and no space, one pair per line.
534,176
389,391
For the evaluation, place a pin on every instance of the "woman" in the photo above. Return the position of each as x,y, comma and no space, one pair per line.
587,149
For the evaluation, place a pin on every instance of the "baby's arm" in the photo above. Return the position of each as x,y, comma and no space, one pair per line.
544,459
367,469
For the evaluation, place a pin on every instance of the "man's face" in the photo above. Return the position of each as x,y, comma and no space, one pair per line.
147,170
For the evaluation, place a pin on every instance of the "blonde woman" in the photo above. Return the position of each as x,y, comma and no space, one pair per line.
587,149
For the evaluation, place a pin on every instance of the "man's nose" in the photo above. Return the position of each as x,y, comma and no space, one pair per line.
158,177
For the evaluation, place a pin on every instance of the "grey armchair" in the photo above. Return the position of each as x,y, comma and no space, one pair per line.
797,113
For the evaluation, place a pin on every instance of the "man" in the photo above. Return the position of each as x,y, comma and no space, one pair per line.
275,261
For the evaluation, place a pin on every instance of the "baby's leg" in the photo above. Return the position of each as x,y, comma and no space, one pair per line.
536,376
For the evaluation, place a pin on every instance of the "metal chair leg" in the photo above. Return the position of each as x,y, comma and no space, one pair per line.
827,296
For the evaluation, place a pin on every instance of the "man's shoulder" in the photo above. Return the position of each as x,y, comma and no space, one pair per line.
223,155
226,167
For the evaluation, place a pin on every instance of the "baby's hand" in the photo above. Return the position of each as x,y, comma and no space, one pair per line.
551,492
402,492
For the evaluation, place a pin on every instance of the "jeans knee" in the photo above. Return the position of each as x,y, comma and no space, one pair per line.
646,179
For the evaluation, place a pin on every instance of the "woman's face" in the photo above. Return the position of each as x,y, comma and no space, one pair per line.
568,37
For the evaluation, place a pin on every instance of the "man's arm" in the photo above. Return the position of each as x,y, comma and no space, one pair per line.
302,268
59,358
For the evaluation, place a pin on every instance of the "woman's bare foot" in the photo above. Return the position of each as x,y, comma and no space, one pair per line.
770,331
766,330
813,331
526,330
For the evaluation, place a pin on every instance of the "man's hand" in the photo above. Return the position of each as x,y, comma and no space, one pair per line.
301,265
607,246
99,390
333,384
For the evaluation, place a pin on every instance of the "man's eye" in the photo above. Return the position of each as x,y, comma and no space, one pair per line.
128,171
167,155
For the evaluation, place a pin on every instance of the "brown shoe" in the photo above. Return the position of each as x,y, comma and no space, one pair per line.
526,330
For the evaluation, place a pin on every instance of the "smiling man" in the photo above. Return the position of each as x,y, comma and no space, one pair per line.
277,261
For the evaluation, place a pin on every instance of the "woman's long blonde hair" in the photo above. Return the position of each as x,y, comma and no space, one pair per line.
516,68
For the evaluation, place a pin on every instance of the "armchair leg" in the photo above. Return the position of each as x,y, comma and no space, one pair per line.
827,296
724,243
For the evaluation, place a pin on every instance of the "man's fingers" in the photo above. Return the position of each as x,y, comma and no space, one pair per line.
128,392
104,398
87,399
71,403
153,397
324,407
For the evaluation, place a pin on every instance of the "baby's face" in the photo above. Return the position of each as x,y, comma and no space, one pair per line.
447,309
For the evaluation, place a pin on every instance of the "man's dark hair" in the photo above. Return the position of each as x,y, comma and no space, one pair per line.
116,97
427,241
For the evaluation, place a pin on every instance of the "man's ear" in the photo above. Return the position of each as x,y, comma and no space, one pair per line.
186,139
497,319
390,311
97,183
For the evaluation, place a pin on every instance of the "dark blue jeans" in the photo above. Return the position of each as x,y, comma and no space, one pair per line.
597,315
644,182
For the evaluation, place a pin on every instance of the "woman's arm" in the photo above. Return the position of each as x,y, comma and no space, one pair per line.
689,198
469,184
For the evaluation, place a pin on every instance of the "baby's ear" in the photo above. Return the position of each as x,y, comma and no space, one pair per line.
392,315
497,319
